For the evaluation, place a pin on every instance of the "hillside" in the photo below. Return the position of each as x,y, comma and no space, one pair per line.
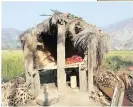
9,38
121,35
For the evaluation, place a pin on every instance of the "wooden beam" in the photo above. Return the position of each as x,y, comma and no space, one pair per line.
28,62
74,65
115,98
32,75
61,76
36,82
121,96
90,71
82,79
118,96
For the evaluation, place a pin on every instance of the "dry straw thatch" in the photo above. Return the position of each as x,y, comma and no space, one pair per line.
79,33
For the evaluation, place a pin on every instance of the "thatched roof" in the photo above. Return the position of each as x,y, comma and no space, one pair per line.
79,32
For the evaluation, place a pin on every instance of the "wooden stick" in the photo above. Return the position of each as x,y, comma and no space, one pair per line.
45,15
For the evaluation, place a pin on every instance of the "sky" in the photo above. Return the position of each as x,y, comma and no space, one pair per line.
24,15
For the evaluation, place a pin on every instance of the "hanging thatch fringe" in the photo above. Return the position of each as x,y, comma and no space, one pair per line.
98,45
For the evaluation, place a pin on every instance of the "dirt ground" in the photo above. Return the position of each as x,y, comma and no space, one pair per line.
70,97
75,98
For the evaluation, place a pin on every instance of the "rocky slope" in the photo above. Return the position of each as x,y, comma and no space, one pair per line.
121,34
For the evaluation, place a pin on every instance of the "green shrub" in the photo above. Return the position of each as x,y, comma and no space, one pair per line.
12,64
116,63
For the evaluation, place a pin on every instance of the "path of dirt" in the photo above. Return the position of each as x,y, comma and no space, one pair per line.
72,97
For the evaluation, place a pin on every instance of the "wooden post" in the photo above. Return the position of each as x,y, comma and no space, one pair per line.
90,71
118,96
32,76
61,76
28,62
37,84
115,97
82,79
121,96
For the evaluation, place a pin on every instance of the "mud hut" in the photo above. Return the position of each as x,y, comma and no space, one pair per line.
57,38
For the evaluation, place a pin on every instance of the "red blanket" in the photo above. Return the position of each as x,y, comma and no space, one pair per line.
74,59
